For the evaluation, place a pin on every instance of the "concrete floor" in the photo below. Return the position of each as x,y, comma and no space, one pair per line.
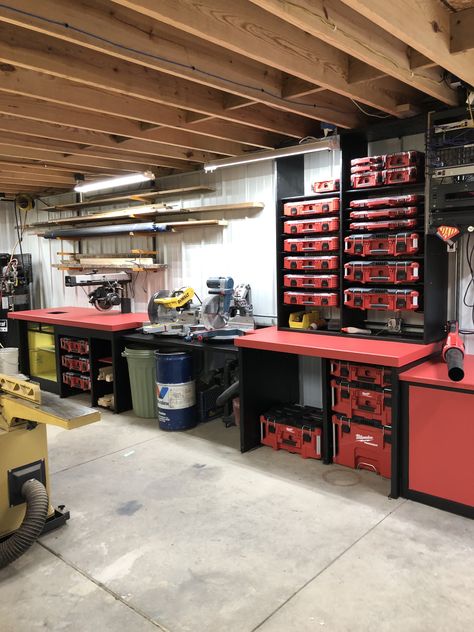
181,532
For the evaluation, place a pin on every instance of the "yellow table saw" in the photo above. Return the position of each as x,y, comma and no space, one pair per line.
25,508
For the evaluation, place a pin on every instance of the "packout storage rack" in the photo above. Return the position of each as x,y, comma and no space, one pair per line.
430,318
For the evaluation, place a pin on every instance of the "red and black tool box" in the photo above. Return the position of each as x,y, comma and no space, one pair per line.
362,445
385,224
325,186
366,168
368,160
376,375
381,298
394,212
361,400
294,428
319,225
75,363
394,272
311,207
381,244
321,299
74,345
311,281
403,159
392,200
373,179
404,175
312,244
328,262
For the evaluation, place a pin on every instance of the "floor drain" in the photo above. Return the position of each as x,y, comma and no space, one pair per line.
342,478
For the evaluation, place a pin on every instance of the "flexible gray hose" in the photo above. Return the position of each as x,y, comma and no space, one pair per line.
37,503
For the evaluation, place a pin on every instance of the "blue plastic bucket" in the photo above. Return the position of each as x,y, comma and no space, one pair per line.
176,391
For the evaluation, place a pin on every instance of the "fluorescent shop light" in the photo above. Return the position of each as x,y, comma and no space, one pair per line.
328,144
111,183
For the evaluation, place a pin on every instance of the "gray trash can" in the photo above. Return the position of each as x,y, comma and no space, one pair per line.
142,372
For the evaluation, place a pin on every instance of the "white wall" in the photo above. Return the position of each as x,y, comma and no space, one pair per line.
245,249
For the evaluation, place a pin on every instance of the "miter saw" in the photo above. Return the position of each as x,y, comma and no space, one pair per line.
172,313
227,311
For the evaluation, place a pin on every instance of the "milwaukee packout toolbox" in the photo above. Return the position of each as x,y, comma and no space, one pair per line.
403,159
381,298
294,428
367,161
75,363
394,212
74,345
329,262
314,244
75,380
362,401
375,375
311,207
392,200
372,179
381,244
322,299
325,186
366,168
319,225
362,445
385,224
394,272
404,175
311,281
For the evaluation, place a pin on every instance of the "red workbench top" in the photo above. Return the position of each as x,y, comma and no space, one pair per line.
83,317
435,373
369,350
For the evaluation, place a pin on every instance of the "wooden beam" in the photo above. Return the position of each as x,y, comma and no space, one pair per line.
55,157
157,43
424,25
294,87
337,25
109,141
38,167
81,65
248,30
462,30
75,149
22,176
147,115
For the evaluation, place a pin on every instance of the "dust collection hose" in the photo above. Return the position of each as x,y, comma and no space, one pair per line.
37,503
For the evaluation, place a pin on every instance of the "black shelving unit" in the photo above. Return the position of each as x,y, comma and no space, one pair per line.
432,254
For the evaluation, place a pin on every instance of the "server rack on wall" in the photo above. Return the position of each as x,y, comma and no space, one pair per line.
425,323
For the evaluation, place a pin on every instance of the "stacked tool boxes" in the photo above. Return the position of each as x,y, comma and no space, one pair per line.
362,416
75,363
311,258
376,171
384,236
293,428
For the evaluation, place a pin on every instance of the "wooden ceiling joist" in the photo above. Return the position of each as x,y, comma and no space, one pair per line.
162,48
248,30
61,59
336,24
425,26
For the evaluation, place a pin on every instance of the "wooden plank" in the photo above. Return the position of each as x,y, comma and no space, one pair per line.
424,26
344,29
138,196
81,65
157,43
462,31
78,149
145,212
156,121
116,143
238,27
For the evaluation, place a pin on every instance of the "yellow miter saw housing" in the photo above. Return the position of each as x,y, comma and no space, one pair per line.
172,313
25,509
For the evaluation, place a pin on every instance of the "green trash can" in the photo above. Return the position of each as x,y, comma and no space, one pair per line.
142,372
